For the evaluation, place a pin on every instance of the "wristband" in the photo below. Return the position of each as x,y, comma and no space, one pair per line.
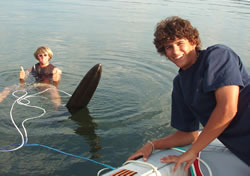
153,146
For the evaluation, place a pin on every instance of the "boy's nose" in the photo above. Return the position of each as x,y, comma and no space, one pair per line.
176,49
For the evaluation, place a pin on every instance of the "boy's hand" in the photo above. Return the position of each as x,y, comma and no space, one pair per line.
21,73
56,74
144,152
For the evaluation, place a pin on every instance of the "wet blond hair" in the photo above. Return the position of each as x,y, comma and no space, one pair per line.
173,28
42,50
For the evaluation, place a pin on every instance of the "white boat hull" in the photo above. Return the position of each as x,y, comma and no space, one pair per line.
218,158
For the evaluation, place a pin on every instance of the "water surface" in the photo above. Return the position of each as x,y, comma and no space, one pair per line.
132,102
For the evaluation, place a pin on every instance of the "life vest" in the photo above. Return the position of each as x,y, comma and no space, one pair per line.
42,74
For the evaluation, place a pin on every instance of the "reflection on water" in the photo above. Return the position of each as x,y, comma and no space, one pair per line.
133,99
87,129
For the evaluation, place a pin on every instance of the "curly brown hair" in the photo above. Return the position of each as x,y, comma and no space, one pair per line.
175,28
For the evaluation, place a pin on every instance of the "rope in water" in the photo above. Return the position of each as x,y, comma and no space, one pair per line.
24,101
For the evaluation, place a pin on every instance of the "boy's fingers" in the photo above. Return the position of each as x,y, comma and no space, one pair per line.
21,68
176,166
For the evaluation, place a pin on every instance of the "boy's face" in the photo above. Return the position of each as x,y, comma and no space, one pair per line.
181,52
43,59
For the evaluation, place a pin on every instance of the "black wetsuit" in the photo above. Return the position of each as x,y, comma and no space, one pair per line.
42,74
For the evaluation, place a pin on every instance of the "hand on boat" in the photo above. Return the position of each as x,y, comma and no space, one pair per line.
144,152
188,157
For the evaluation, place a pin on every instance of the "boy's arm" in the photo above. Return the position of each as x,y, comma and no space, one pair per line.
179,138
222,115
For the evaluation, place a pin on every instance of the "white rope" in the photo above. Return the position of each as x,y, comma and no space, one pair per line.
19,100
100,171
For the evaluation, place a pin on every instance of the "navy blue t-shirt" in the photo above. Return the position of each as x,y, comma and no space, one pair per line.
193,97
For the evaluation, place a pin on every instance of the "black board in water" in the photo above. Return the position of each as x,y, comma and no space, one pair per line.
85,90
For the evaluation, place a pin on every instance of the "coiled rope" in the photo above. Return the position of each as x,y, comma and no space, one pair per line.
24,101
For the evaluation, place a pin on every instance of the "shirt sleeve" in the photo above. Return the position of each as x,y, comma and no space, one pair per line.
222,69
182,117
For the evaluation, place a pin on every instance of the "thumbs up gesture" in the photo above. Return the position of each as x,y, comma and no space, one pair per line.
56,74
21,73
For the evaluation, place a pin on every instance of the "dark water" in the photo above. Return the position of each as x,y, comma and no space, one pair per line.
132,102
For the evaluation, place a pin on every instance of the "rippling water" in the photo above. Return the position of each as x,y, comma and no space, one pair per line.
132,102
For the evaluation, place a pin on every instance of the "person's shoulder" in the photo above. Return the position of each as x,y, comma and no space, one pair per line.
218,47
218,51
220,55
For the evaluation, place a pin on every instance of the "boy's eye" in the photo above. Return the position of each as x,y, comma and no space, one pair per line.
180,43
41,55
